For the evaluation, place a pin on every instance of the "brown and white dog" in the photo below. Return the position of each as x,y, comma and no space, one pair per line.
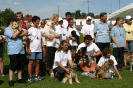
131,62
72,75
99,72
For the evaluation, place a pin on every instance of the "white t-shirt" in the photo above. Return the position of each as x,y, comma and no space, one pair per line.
65,23
62,57
58,31
64,33
90,47
103,60
35,39
88,30
71,42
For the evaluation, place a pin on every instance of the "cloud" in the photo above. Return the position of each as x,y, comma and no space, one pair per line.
17,3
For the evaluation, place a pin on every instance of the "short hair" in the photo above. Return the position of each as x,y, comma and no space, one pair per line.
20,14
88,37
35,18
102,14
11,19
106,51
53,17
67,13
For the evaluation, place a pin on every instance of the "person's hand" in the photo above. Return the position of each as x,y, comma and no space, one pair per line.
118,46
43,50
51,37
20,28
29,51
125,46
67,70
119,77
93,56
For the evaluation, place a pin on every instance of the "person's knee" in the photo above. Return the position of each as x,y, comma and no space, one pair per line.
31,62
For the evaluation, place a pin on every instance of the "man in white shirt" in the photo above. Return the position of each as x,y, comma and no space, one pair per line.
65,21
87,29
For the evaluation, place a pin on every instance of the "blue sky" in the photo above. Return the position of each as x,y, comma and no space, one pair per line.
45,8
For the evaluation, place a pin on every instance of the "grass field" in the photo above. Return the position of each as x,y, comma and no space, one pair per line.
126,82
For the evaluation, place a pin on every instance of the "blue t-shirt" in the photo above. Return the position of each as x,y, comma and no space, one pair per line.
119,34
102,32
15,45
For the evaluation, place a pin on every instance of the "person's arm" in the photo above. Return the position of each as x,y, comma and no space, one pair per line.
119,76
125,42
24,33
60,65
16,34
28,46
113,39
97,53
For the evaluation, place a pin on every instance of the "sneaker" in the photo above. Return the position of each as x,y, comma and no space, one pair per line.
2,75
31,79
37,77
56,79
11,83
21,81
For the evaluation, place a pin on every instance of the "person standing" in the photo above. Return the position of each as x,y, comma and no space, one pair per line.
65,21
15,51
50,46
101,33
119,42
34,49
87,29
128,26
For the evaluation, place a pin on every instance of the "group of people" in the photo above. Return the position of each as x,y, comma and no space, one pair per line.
62,52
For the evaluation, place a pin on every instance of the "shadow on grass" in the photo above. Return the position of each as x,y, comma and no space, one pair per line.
1,82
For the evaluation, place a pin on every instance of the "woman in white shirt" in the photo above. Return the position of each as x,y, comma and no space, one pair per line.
62,57
73,40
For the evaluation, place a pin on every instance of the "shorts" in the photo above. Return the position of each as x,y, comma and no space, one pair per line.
35,55
1,50
129,46
16,62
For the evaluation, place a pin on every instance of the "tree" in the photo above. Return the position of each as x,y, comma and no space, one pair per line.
4,15
90,14
83,14
77,14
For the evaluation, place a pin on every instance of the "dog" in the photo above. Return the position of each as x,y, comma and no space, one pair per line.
99,73
108,64
83,59
73,33
15,27
131,62
48,30
69,77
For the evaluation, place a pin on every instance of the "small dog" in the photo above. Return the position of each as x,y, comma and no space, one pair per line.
131,62
15,27
69,77
73,33
48,30
108,64
99,73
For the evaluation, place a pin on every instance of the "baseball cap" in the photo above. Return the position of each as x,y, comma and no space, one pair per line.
60,19
88,18
128,17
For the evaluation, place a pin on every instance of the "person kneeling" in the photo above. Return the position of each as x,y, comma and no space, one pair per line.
106,57
62,57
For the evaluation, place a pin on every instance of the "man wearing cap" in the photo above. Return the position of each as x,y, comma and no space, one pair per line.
101,33
87,29
128,26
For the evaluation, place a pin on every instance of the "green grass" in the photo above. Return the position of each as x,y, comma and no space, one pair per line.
86,82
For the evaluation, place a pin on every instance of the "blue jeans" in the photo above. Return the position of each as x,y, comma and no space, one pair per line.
129,46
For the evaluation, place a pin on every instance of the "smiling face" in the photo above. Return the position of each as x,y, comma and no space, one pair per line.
64,47
36,23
